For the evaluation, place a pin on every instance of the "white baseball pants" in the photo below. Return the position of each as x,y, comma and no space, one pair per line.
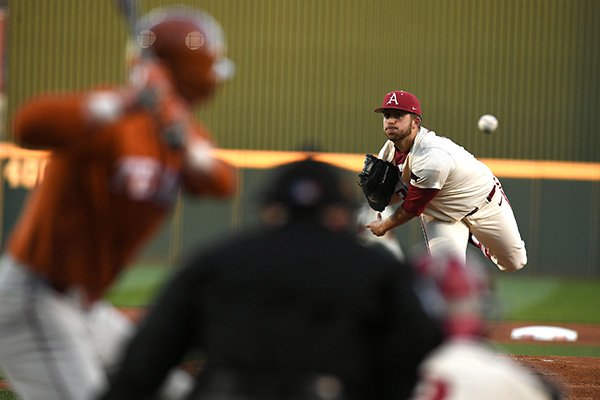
493,224
52,348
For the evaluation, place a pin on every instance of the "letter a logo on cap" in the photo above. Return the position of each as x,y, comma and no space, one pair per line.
400,100
392,99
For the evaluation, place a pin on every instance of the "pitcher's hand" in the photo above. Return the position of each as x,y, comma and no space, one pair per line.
377,227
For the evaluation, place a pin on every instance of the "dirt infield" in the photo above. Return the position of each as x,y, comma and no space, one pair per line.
578,376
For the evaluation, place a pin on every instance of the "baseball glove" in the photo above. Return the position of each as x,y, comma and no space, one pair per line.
378,181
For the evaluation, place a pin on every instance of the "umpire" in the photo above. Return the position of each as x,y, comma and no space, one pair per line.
297,309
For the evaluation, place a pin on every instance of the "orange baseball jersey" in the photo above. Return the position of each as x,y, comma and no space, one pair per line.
106,190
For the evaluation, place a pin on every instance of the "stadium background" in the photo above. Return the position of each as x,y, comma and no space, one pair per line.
310,72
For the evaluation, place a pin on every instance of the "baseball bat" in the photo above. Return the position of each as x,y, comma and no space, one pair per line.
129,10
174,134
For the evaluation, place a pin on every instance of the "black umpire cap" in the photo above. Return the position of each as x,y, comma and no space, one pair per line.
305,187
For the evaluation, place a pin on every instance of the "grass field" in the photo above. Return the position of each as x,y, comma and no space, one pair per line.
7,395
543,299
138,285
549,299
520,298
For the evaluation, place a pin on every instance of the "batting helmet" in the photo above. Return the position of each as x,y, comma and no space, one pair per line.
400,100
191,44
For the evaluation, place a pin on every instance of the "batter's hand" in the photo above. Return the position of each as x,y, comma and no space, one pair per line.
156,92
377,227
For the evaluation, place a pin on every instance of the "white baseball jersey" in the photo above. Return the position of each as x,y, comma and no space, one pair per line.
464,369
436,162
470,201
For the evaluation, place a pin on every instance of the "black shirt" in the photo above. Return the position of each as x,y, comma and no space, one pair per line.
296,300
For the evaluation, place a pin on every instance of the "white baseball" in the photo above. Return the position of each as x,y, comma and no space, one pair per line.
487,123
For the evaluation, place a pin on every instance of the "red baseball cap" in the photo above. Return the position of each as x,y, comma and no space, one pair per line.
400,100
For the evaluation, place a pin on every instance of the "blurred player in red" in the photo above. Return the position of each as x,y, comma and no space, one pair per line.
467,365
119,158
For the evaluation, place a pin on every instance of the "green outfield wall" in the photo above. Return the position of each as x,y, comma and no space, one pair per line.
559,221
309,72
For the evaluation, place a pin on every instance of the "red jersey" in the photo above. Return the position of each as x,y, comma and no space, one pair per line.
106,190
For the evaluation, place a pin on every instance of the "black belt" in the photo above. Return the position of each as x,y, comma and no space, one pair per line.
489,198
257,385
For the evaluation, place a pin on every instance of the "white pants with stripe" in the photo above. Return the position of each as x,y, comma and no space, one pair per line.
493,224
52,348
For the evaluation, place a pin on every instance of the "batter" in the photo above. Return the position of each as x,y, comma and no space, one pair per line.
119,159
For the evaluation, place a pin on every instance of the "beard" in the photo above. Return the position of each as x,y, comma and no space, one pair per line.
397,134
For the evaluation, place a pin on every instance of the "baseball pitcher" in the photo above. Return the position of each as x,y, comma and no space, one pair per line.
457,196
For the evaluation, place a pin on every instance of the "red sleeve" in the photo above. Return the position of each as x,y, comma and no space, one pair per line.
416,199
49,121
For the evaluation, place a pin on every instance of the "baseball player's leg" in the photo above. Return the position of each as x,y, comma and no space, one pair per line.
44,347
495,227
111,330
446,238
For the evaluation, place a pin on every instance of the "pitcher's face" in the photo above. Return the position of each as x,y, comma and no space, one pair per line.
398,124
